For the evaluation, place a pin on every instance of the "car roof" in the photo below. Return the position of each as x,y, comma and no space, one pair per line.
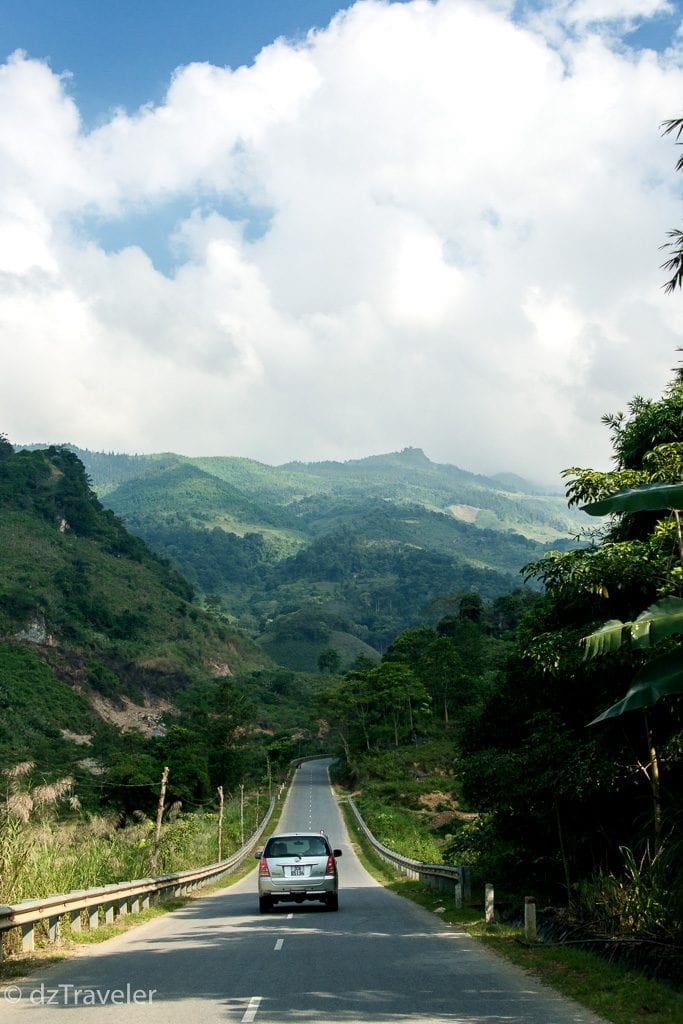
298,835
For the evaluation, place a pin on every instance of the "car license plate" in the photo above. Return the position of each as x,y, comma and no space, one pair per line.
297,869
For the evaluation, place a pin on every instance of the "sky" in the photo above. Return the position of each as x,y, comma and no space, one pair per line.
299,230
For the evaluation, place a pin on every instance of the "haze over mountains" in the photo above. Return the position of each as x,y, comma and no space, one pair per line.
308,556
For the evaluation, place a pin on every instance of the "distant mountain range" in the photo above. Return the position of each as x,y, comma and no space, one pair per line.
308,556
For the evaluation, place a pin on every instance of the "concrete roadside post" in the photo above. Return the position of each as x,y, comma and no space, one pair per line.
488,903
530,918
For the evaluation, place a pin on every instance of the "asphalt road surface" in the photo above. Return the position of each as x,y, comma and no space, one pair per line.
379,959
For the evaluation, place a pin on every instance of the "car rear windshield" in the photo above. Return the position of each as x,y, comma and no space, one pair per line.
297,846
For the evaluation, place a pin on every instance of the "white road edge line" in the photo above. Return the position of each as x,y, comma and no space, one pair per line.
252,1009
279,944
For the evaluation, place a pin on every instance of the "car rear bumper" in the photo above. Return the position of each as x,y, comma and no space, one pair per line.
285,889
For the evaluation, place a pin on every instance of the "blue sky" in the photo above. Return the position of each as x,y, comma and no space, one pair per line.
122,52
429,223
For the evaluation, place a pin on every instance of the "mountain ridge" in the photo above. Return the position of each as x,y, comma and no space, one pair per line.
301,552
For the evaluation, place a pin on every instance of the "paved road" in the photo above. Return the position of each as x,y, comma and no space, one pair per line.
380,959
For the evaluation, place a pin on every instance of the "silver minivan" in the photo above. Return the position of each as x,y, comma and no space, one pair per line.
298,866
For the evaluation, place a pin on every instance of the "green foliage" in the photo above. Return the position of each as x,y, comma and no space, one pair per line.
399,830
132,776
478,845
35,707
427,675
231,719
329,661
103,679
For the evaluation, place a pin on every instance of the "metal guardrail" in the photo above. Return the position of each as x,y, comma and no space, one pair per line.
444,877
120,898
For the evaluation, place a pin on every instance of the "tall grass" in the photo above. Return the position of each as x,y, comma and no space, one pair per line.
38,858
645,899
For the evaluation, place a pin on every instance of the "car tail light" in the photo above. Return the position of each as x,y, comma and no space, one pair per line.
329,867
263,869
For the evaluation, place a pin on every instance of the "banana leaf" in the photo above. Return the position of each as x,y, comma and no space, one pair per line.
664,618
649,498
662,677
605,640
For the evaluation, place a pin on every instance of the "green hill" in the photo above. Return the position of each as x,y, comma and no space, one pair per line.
98,635
368,544
182,492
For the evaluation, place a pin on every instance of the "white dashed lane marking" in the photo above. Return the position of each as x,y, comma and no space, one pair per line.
279,944
252,1009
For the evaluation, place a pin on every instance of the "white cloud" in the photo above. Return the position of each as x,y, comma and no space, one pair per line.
583,12
462,251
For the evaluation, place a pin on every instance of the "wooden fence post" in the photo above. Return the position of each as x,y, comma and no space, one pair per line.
220,823
157,831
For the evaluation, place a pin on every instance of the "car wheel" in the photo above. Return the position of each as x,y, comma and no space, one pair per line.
332,901
265,904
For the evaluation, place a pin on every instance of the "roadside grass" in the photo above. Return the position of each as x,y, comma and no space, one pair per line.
615,993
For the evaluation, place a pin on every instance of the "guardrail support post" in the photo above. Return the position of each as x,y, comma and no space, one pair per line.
53,930
93,918
458,894
530,918
75,920
28,939
122,908
145,902
109,913
488,903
